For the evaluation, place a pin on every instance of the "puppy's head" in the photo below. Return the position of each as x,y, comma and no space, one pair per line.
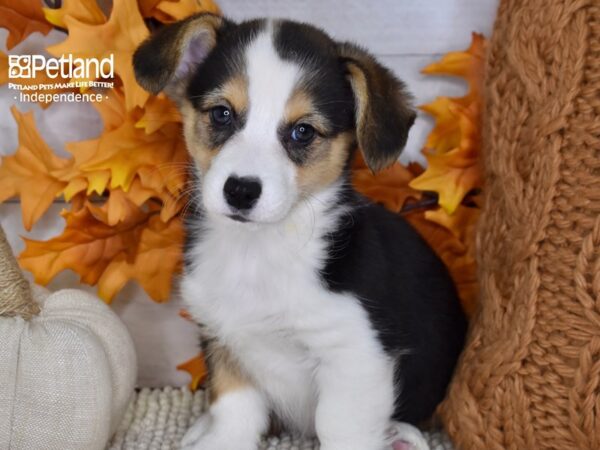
273,109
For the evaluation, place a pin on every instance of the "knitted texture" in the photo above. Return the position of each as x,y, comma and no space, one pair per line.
157,419
530,375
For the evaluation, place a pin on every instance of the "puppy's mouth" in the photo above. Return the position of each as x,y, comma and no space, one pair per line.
238,218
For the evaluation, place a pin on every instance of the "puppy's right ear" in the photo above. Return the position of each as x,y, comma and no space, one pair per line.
168,56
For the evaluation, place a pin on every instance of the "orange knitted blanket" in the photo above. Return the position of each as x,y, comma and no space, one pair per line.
529,378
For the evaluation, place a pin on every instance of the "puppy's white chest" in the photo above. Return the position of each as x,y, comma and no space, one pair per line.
256,293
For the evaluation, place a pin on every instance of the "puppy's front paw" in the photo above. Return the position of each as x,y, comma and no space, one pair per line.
206,434
404,436
196,431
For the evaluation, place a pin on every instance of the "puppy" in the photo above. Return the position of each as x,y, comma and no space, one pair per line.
317,306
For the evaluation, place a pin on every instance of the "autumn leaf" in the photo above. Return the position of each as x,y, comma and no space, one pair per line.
390,187
85,11
461,223
453,146
120,205
196,367
126,154
141,247
29,172
119,36
87,246
3,67
168,11
127,149
21,18
158,112
447,134
454,173
468,64
112,109
157,260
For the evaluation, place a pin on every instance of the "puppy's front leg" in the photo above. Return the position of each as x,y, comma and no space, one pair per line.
355,381
237,416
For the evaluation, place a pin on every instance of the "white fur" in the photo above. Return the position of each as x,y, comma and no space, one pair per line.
235,421
312,354
256,151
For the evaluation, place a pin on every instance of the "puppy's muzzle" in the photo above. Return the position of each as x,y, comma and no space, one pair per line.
242,193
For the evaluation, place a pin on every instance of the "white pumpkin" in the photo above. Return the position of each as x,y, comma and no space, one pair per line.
67,373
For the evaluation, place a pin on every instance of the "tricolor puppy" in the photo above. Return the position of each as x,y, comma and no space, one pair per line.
317,306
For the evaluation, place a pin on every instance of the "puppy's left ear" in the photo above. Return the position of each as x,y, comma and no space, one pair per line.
166,59
384,111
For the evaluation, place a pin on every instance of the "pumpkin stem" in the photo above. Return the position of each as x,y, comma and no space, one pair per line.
15,293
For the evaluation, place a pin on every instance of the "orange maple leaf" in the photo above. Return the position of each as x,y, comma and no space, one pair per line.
21,18
168,11
468,64
454,173
29,172
119,36
3,67
158,258
141,247
126,154
390,187
452,148
85,11
447,133
127,149
158,112
196,367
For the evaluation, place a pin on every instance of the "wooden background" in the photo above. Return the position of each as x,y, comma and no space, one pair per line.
406,35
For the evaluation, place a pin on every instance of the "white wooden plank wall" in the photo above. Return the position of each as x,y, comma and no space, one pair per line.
406,35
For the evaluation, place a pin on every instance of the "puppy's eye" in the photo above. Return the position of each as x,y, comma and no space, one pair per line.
221,115
302,133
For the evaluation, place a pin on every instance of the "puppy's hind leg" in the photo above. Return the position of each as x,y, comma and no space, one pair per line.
238,415
403,436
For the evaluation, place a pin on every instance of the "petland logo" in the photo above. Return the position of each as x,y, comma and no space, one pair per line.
29,66
60,78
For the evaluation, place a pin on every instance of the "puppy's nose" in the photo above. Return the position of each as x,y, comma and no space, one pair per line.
242,193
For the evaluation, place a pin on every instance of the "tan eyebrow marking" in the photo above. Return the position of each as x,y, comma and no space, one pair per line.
234,90
300,106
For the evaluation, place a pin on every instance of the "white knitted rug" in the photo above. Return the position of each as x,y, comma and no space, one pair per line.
157,419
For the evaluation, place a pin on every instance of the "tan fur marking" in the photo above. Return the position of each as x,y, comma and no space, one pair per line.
326,164
225,374
358,80
300,106
195,126
234,91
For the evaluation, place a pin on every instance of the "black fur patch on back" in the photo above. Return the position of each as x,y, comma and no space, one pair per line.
409,296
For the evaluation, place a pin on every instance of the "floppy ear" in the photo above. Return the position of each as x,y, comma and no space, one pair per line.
168,56
384,111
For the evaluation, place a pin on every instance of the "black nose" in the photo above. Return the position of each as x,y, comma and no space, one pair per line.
242,193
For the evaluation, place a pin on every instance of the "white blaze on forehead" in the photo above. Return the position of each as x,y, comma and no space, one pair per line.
256,150
271,81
